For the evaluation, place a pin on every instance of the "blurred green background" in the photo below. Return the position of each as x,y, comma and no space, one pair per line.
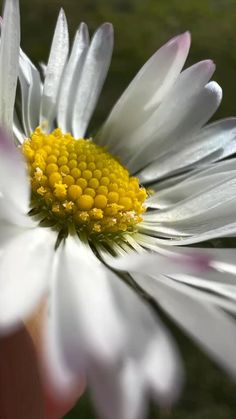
142,26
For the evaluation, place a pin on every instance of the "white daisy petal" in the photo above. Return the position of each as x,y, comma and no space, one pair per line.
193,185
221,296
122,397
17,130
86,299
146,90
10,214
223,285
189,83
92,78
71,78
185,118
31,93
143,331
60,380
204,170
157,263
55,67
215,215
216,139
9,62
60,377
171,181
162,369
213,142
24,271
8,232
222,260
153,371
211,328
149,345
25,83
188,231
210,279
212,201
14,184
183,237
201,217
155,129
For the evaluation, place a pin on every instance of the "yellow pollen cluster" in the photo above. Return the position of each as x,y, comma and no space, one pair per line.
78,181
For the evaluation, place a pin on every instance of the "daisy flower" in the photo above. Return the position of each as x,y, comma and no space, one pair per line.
97,224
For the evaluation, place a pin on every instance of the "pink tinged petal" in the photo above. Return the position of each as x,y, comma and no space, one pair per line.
147,90
14,182
90,322
9,62
220,261
213,279
56,63
25,266
209,326
92,78
71,78
154,263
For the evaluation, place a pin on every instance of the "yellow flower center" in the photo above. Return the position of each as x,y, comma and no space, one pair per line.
78,182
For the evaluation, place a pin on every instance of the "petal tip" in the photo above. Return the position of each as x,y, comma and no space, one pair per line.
184,40
107,27
180,43
210,65
62,12
84,32
207,65
214,88
62,17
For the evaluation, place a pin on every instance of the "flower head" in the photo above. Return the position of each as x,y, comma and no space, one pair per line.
96,223
80,185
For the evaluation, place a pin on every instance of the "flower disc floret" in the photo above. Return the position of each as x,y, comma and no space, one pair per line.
79,182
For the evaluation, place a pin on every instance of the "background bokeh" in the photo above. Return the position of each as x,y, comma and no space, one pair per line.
142,26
